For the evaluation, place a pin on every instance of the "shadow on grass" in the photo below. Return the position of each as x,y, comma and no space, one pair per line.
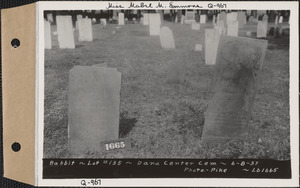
126,124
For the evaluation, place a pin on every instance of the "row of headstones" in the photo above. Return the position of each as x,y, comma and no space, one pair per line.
94,97
211,35
65,31
165,34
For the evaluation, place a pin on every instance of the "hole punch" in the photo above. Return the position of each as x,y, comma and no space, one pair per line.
15,43
16,147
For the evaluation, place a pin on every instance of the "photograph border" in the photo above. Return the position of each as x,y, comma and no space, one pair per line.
234,182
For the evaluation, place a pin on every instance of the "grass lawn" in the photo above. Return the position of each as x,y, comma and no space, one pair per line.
164,94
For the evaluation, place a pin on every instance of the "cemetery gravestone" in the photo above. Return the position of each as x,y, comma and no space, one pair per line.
85,30
262,29
252,19
276,20
202,19
121,19
261,12
195,26
211,45
94,100
241,17
65,32
230,18
233,28
223,17
146,19
266,18
115,14
47,35
103,22
79,16
220,27
234,86
182,19
280,19
189,17
161,15
154,24
234,15
214,19
166,38
166,11
248,12
50,17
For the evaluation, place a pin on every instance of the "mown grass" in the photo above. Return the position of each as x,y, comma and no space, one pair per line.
164,94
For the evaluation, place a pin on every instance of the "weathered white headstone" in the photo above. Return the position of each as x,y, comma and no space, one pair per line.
195,26
223,17
121,19
47,35
261,12
239,61
146,19
79,16
262,29
65,32
198,47
276,20
211,45
234,15
248,12
154,24
233,28
166,11
280,19
221,27
85,30
182,19
166,38
94,101
241,17
265,17
253,20
231,17
103,22
50,17
189,17
115,14
203,18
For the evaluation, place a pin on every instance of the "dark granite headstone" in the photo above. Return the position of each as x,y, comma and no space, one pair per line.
94,100
229,110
